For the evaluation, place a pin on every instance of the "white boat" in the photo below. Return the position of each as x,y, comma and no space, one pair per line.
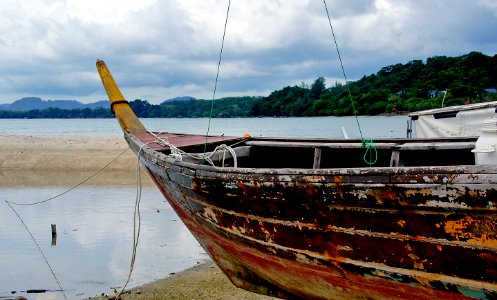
453,121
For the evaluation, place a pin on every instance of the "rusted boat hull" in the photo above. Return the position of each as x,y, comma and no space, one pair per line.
413,233
305,219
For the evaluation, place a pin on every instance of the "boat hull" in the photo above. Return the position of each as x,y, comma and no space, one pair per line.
399,230
339,234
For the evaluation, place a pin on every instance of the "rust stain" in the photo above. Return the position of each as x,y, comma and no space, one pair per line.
337,179
255,183
242,186
386,194
196,184
480,232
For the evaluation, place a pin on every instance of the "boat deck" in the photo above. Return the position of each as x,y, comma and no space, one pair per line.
317,153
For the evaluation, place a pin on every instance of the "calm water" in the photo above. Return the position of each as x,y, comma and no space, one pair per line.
93,247
372,127
94,223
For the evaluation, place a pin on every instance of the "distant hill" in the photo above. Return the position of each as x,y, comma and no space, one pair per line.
179,99
31,103
399,88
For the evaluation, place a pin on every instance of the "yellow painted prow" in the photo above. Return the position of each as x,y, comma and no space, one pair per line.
124,114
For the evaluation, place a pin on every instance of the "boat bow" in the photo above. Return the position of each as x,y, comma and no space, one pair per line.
118,104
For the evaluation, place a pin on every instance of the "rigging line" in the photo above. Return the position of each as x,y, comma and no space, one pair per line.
215,83
368,144
74,186
343,69
10,203
37,246
136,221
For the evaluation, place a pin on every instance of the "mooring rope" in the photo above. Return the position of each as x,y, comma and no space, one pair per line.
11,203
39,248
136,221
74,186
178,153
215,83
368,144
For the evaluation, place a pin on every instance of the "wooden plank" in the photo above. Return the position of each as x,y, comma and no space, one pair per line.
311,144
437,146
355,145
395,158
317,158
441,178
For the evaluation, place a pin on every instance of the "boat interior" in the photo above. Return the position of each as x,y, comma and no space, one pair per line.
274,153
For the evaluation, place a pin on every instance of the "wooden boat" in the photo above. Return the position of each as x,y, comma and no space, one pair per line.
307,218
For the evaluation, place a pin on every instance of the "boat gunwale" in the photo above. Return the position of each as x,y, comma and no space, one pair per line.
456,108
386,171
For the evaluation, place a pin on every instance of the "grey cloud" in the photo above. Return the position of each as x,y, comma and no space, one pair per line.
167,46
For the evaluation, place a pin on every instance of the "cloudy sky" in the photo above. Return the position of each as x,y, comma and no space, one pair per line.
160,49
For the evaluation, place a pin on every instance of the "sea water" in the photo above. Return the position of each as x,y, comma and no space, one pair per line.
94,224
319,127
92,250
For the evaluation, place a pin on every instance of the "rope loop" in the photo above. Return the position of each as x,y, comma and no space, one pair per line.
371,152
178,154
117,102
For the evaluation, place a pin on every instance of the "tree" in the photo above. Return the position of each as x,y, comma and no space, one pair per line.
317,88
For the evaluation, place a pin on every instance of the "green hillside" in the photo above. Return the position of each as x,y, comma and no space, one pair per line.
413,86
398,88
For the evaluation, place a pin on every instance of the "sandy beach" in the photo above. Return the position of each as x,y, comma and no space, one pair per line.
204,281
67,160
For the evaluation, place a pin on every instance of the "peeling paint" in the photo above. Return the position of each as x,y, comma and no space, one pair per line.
479,232
393,235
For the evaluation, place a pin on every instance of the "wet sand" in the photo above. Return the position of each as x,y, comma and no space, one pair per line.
204,281
66,161
82,153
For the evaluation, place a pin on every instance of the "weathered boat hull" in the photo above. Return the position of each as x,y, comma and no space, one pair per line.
303,219
388,233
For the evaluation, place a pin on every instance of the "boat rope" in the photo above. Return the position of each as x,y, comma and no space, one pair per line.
368,144
215,83
11,203
39,248
136,221
178,154
74,186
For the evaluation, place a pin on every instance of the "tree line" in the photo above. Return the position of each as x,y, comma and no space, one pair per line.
57,113
398,88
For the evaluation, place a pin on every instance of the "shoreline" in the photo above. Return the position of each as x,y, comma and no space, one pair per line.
66,160
203,281
63,153
69,160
